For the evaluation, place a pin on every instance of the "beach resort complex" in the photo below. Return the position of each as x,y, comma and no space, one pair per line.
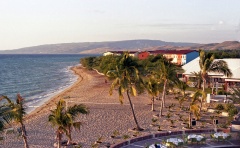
119,74
132,102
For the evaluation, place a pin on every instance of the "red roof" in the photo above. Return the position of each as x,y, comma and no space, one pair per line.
172,51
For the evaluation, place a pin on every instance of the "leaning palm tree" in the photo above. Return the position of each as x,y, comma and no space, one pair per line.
126,78
166,72
16,112
63,118
208,64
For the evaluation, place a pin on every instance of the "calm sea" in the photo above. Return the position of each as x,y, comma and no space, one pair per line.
36,77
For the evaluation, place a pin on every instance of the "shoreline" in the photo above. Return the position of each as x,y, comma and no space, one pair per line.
106,115
55,97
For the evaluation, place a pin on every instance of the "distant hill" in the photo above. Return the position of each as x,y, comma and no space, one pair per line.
227,45
93,47
100,47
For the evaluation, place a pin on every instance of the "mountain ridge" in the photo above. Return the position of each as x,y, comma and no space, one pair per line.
100,47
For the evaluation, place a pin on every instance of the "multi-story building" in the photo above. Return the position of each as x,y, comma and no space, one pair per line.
179,57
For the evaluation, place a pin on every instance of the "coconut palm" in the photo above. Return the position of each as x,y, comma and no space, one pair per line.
153,89
166,72
126,78
182,86
236,95
59,119
16,112
198,76
4,118
63,118
208,64
194,107
73,112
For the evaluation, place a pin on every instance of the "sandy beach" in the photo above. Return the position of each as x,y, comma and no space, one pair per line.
106,114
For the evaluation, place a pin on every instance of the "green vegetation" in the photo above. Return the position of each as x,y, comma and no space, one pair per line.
222,54
126,78
219,107
14,111
207,64
236,95
63,119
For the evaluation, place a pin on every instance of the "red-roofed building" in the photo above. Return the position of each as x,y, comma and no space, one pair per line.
179,57
143,55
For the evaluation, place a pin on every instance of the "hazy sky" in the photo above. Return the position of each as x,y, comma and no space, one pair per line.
34,22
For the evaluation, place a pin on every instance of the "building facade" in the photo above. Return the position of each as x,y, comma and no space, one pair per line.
179,57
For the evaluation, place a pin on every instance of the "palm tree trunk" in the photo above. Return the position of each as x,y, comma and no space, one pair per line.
190,120
204,83
69,136
59,139
161,109
24,136
199,83
164,92
134,116
152,103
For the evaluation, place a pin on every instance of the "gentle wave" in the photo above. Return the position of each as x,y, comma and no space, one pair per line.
36,77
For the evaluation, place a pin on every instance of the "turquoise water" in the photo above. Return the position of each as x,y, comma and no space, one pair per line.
36,77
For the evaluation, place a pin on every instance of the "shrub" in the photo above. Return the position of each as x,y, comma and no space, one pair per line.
233,112
229,107
219,107
125,136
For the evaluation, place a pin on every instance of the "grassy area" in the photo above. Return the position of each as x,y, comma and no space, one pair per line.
207,90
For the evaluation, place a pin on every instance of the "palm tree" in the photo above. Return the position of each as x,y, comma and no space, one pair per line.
73,112
194,107
182,86
127,79
152,87
198,76
236,95
166,72
208,64
16,112
63,118
59,119
4,118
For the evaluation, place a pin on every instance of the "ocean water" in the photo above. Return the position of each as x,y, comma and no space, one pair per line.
36,77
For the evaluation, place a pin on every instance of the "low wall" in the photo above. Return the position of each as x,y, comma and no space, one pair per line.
130,141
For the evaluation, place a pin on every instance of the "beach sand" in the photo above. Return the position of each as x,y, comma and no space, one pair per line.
106,114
